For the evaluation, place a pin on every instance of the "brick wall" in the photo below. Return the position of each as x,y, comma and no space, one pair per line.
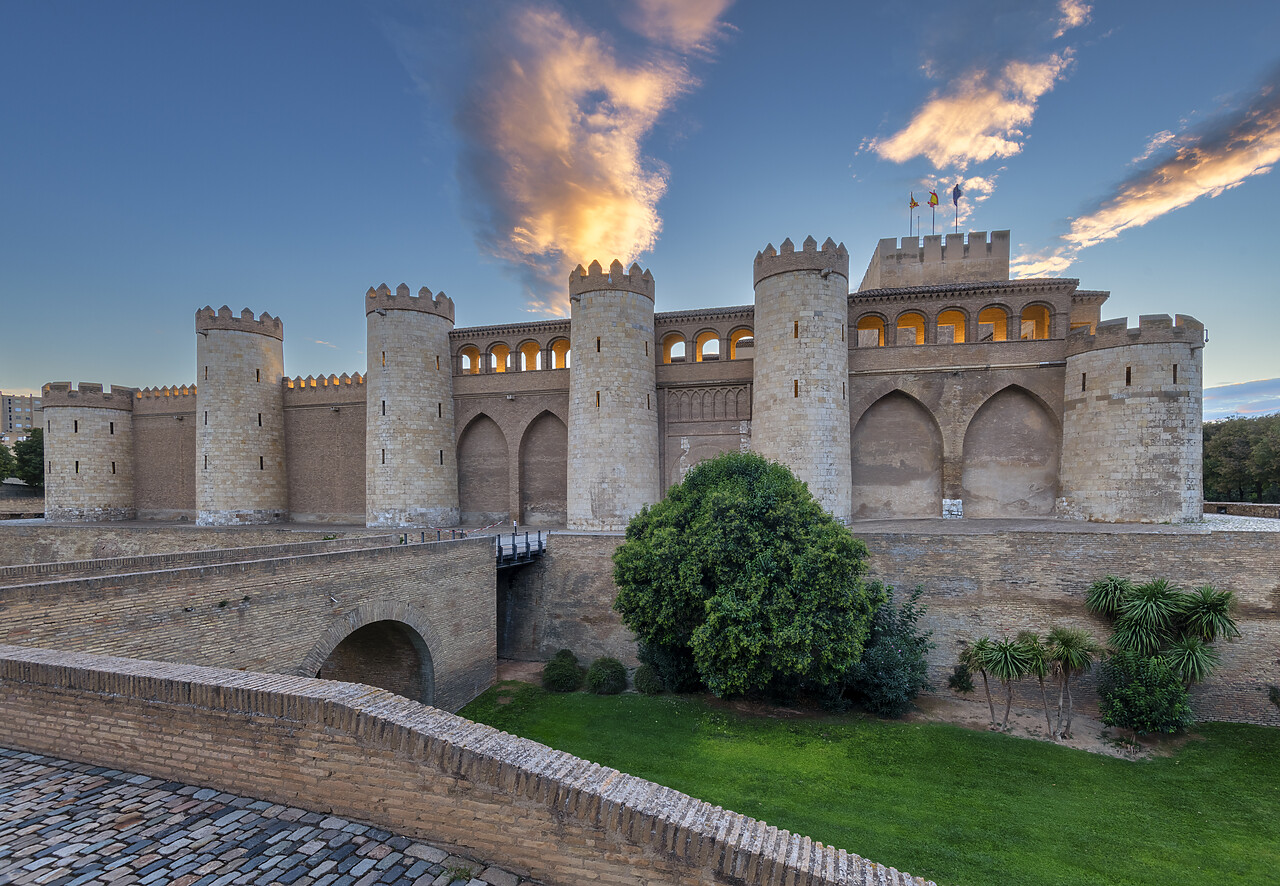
282,615
359,752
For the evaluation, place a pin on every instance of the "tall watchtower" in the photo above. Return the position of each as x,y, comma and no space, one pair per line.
88,452
800,402
613,416
240,463
411,467
1131,422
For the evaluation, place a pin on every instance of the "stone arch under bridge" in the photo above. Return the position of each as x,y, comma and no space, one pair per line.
387,645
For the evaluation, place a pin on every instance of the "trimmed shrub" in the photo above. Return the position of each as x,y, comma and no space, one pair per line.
647,681
961,679
674,666
562,673
1143,694
607,676
892,670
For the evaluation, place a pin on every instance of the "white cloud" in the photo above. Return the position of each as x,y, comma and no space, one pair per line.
980,117
1074,14
555,126
1221,155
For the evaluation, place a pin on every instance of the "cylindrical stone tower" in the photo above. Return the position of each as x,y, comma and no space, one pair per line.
800,401
613,416
240,467
411,466
1131,435
88,453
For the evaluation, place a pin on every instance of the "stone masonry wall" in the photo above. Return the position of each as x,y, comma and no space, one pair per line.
164,453
89,456
282,614
976,582
1131,427
240,469
411,466
800,408
363,753
613,413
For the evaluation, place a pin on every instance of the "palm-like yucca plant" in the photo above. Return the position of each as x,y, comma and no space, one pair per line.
1073,652
1208,614
1149,617
1106,595
974,656
1038,665
1191,658
1008,662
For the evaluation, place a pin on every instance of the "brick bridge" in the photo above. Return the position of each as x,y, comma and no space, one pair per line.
418,619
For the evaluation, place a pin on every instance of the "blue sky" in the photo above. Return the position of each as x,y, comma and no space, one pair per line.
285,156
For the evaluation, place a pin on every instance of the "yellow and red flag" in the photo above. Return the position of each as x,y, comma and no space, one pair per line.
933,198
914,203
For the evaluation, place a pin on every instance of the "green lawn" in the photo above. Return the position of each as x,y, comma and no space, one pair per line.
954,805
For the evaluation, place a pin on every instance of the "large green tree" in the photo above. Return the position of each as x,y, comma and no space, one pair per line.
7,462
1242,459
741,574
30,457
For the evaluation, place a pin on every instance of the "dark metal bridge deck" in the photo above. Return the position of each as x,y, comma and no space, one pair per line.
512,550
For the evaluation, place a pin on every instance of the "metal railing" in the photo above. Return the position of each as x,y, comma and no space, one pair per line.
518,551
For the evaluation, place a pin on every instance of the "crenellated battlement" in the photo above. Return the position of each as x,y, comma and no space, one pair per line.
223,318
382,299
88,394
938,260
325,381
1151,329
830,259
165,392
594,279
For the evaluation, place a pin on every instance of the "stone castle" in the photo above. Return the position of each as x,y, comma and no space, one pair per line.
939,387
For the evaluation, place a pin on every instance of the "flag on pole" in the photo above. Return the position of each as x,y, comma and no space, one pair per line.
914,203
933,198
956,194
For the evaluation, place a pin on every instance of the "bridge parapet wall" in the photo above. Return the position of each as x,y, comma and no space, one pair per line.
334,747
281,614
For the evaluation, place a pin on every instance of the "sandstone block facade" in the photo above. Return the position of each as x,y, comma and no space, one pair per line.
613,416
800,416
411,467
240,470
89,456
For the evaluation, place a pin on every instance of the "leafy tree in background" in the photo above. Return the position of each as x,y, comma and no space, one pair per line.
1242,459
740,571
974,657
1039,665
30,457
1008,661
8,463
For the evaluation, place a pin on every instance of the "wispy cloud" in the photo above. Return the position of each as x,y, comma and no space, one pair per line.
327,344
554,126
1203,162
977,118
991,97
1248,398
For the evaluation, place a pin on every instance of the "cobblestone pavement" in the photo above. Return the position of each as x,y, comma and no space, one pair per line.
68,824
1232,523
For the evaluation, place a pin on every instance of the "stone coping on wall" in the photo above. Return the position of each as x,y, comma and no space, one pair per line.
1242,509
365,753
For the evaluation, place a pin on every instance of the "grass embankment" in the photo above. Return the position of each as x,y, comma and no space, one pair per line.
957,806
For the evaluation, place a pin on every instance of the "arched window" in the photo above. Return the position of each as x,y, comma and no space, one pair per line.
870,332
1035,322
911,328
530,356
742,344
951,326
469,357
707,346
498,355
673,347
560,353
993,324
